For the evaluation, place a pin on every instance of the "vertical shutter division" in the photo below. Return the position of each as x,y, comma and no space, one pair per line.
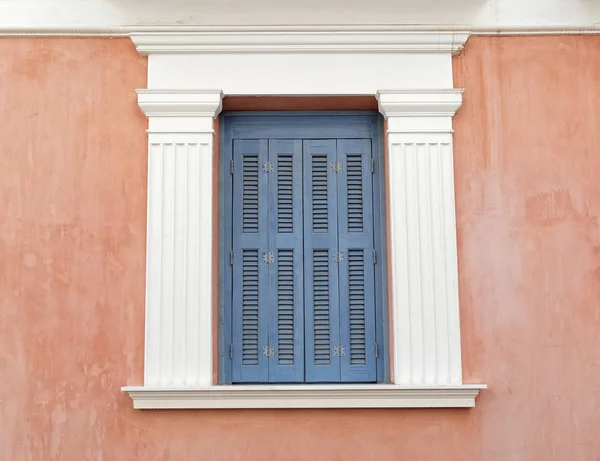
286,277
250,316
357,273
321,272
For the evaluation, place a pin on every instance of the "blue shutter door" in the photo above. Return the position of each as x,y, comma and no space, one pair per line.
357,271
285,274
303,201
320,271
250,309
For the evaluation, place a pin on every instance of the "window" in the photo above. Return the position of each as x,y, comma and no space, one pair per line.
186,73
301,213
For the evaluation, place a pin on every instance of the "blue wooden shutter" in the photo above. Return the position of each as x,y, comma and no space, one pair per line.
320,270
250,310
357,272
285,274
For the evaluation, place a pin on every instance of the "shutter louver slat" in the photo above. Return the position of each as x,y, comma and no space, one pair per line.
321,322
250,302
250,194
356,276
285,307
285,195
320,218
354,186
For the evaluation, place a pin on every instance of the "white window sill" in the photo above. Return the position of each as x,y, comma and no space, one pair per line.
305,396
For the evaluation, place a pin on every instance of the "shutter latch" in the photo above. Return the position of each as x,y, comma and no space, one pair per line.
340,351
269,351
338,257
269,257
336,167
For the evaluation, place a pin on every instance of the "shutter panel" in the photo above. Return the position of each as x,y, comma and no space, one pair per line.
285,275
320,271
250,310
357,272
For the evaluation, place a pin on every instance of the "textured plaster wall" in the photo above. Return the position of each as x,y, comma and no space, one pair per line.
72,242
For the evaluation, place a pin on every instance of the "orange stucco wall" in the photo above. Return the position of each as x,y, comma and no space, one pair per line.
72,243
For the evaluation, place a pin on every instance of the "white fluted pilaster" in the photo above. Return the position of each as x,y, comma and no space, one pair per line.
423,235
179,236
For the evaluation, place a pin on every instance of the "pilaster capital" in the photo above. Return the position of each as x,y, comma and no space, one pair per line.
420,114
419,103
180,103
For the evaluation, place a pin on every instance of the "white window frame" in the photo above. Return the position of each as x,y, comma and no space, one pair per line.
410,73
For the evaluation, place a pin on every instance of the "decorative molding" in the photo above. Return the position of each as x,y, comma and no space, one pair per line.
300,40
419,103
314,396
424,272
180,103
111,31
334,62
179,236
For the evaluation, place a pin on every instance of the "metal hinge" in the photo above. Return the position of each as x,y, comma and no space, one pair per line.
231,166
231,257
269,257
230,351
338,257
372,165
374,256
269,351
376,350
340,351
267,167
336,167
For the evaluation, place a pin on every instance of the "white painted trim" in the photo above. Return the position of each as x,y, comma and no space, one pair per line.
178,348
180,103
127,31
331,62
425,311
300,40
420,103
358,396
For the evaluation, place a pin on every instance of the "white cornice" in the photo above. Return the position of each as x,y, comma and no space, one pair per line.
318,396
294,39
127,31
180,103
419,103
